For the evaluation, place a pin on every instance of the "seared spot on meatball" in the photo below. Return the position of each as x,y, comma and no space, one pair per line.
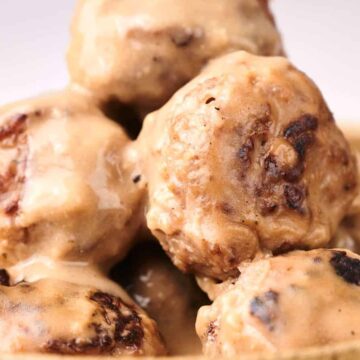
265,307
13,137
120,327
303,124
128,327
96,345
271,167
13,128
244,153
300,133
4,278
211,333
294,196
346,267
294,174
226,208
267,208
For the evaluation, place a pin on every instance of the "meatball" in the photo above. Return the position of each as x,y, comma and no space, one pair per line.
53,316
246,159
69,188
171,298
141,52
293,301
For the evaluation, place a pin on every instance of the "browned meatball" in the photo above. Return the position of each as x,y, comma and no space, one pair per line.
69,188
286,302
141,52
171,298
246,159
53,316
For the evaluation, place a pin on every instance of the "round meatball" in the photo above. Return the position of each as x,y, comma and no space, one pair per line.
246,159
298,300
53,316
171,298
141,52
69,188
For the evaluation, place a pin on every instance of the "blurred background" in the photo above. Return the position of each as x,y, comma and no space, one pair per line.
322,37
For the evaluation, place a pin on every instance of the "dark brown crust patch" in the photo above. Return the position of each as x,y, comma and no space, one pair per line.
305,123
300,133
244,153
121,328
265,308
13,136
212,330
346,267
294,196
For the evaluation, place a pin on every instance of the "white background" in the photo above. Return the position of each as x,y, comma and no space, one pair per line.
322,37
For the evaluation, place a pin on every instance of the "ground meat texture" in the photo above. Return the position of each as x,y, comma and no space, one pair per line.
67,188
153,47
246,159
53,316
286,302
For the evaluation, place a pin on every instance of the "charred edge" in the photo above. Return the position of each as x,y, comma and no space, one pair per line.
128,332
294,197
271,167
264,308
268,207
211,333
4,278
302,143
14,133
294,174
94,346
244,153
301,133
305,123
12,208
346,267
226,208
14,127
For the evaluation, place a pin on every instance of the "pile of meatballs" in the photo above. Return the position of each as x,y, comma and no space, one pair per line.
188,192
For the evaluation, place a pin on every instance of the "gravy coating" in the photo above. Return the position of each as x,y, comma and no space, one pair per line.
246,159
